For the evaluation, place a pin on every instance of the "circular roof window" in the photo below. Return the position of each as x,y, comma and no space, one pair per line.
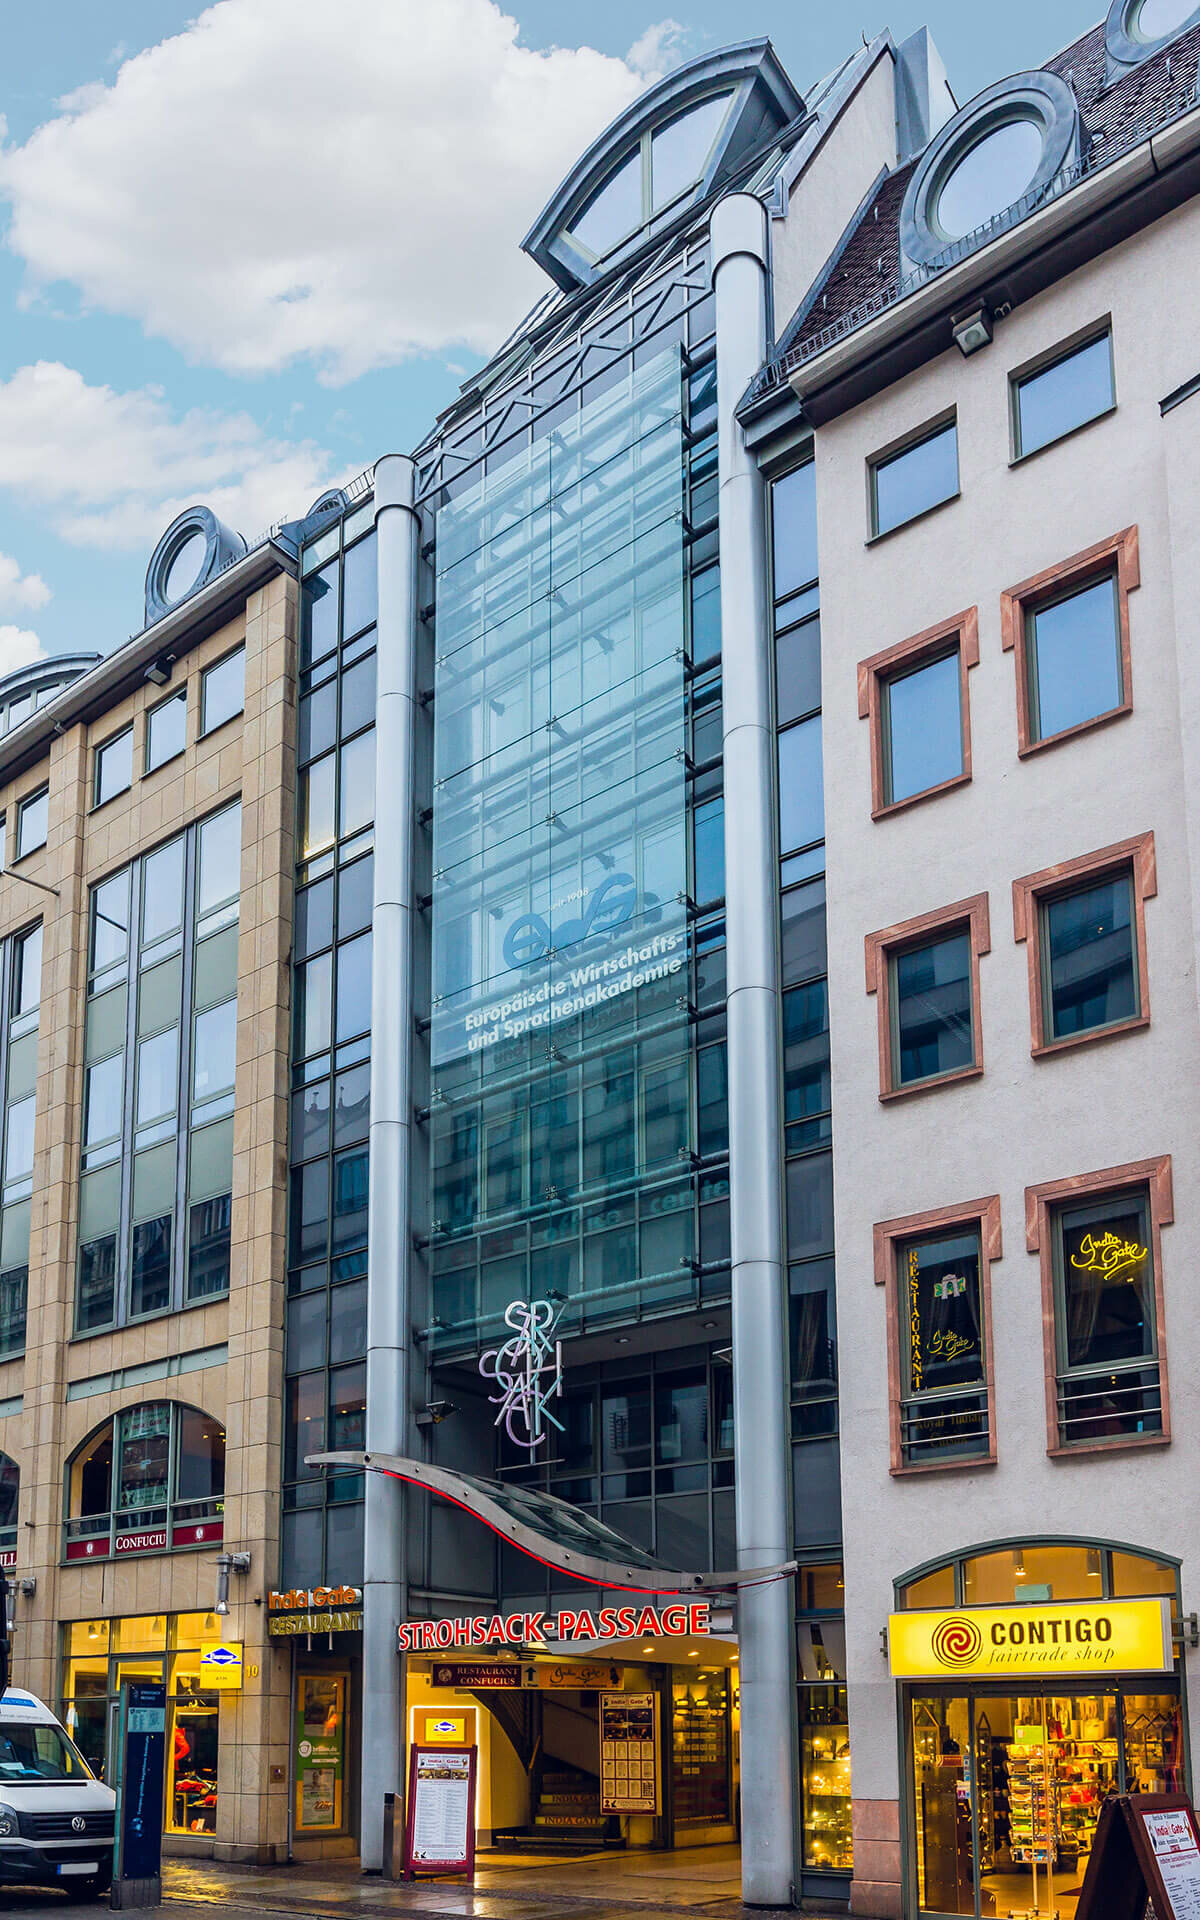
1156,19
184,570
991,175
1005,148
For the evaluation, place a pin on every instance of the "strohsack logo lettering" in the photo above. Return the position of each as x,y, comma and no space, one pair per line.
957,1641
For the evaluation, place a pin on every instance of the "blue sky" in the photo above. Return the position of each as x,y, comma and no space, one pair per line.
244,257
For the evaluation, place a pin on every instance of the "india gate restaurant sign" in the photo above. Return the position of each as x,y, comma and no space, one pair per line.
678,1620
986,1643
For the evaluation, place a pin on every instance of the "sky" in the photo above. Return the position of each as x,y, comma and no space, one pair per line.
246,249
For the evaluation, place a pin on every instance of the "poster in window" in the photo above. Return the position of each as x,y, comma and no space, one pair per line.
320,1751
944,1344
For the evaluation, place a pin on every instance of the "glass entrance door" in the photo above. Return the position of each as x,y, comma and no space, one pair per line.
1006,1791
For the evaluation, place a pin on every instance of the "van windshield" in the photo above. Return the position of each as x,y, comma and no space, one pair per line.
31,1754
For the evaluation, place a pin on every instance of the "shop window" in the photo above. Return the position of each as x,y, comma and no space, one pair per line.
935,1269
149,1480
113,770
1099,1239
1068,390
925,974
99,1654
1068,629
1085,925
914,478
824,1722
916,699
320,1752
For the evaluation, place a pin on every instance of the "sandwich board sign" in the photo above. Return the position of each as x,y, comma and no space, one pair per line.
1147,1847
440,1830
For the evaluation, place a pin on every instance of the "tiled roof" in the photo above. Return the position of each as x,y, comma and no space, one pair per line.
869,259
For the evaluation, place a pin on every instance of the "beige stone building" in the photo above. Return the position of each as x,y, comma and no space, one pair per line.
148,799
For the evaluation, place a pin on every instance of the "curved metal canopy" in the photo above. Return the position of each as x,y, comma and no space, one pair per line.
549,1530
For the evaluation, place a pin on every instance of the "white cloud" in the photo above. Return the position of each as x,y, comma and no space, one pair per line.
18,648
288,179
660,49
112,469
19,589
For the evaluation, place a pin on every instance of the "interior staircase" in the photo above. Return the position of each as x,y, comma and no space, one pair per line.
566,1818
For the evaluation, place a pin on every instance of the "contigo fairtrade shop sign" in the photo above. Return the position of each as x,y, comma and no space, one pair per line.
675,1621
979,1643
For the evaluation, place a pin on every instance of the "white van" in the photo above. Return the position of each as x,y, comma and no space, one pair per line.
57,1821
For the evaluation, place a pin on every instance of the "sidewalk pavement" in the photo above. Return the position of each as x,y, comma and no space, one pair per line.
703,1885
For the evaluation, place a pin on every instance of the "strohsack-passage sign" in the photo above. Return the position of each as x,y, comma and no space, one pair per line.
678,1620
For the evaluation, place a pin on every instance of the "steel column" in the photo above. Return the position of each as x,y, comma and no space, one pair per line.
766,1629
389,1237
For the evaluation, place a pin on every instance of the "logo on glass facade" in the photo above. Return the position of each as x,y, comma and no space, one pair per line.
601,911
528,1371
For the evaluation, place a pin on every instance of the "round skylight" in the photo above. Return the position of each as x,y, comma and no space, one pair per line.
992,174
184,570
1155,19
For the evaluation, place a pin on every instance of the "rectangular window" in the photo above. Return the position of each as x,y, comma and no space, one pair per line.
222,691
926,974
935,1269
113,767
166,731
1063,394
33,822
1074,658
1099,1238
943,1408
931,1001
1068,629
919,476
916,698
806,1080
1085,924
801,786
1090,959
1105,1331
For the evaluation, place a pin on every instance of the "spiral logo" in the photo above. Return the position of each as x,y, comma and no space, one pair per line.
957,1641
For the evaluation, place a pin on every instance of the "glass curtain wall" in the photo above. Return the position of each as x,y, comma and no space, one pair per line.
160,1042
326,1325
824,1733
562,1122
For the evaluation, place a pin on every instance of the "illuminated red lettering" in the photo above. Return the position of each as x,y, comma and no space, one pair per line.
566,1625
585,1627
444,1633
462,1632
648,1622
608,1623
700,1616
495,1631
478,1629
675,1619
533,1626
627,1621
514,1628
427,1640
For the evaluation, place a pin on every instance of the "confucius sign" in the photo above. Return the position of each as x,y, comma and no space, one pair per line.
1114,1636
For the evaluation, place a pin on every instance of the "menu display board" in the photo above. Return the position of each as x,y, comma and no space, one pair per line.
629,1753
440,1829
1147,1847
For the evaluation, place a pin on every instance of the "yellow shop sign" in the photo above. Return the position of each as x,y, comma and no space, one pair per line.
221,1665
993,1643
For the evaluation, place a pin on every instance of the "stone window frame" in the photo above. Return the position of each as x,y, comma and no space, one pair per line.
971,915
1155,1177
1119,556
887,1235
1134,857
906,656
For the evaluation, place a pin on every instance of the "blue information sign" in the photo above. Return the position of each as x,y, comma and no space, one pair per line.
142,1782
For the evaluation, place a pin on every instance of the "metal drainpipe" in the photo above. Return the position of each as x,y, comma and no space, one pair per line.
388,1232
766,1628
